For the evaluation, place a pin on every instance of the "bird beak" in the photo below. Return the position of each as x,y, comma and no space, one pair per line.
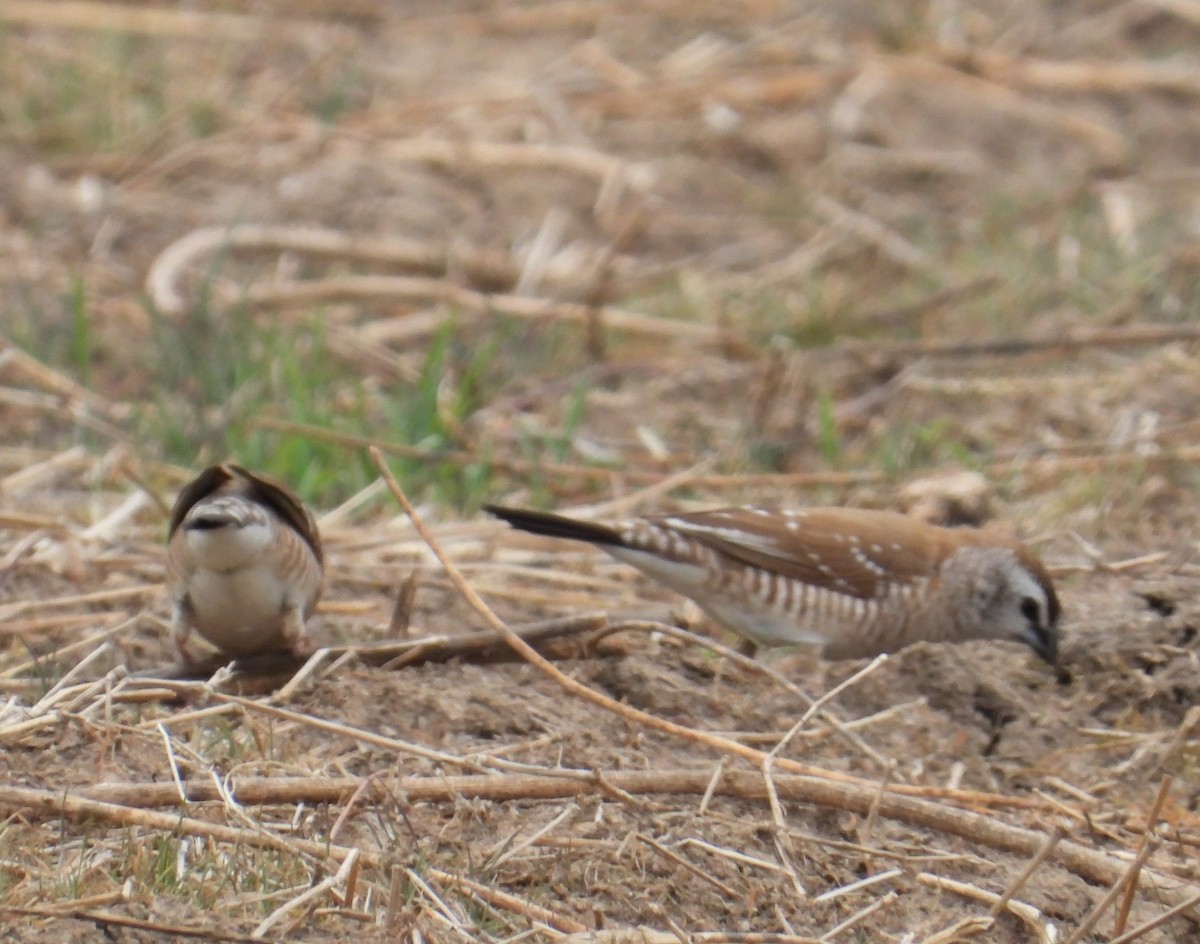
1045,643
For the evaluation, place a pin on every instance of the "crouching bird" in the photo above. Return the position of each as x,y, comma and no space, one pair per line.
855,582
244,564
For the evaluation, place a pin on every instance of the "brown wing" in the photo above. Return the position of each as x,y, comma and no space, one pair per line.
199,488
285,503
850,551
179,565
179,560
262,489
296,563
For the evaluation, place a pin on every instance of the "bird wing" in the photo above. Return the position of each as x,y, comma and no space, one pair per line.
284,502
850,551
261,489
198,489
180,565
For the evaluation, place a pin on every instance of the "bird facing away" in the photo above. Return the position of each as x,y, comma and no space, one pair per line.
856,582
244,564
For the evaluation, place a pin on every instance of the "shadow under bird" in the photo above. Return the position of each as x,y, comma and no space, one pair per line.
244,564
853,581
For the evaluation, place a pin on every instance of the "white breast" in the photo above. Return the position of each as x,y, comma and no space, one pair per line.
223,549
240,611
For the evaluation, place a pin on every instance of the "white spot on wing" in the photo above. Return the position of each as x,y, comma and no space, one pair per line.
867,564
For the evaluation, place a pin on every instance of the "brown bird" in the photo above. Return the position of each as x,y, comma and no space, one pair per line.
856,582
244,564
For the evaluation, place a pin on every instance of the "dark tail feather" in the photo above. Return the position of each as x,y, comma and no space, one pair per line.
555,526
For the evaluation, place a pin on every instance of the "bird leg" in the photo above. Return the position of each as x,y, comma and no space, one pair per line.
181,629
295,633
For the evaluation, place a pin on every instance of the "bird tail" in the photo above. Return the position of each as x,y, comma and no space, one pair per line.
556,526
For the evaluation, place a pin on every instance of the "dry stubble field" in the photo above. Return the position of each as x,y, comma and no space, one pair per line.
622,257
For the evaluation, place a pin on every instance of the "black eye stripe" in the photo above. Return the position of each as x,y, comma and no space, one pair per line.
1031,611
205,524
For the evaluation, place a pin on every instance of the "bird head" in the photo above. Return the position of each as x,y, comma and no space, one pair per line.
1012,598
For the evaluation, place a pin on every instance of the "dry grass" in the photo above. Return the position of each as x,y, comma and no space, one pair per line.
622,256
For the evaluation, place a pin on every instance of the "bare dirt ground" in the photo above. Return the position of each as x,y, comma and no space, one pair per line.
690,254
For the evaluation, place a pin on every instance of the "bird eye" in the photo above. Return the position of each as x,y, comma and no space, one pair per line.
1031,611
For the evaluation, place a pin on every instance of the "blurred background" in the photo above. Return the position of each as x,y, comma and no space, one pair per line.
628,238
628,256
